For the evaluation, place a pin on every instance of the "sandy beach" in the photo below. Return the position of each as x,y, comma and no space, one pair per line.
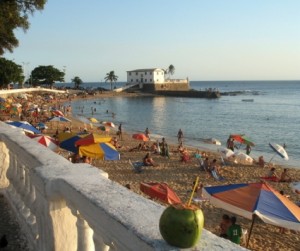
180,176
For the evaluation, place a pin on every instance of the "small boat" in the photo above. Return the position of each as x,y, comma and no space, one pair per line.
248,100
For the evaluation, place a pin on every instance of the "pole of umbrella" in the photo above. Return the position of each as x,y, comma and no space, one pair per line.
250,231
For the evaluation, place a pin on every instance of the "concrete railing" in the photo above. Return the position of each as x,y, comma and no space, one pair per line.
65,206
5,93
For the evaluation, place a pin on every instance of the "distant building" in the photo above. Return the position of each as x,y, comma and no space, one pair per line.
146,76
153,79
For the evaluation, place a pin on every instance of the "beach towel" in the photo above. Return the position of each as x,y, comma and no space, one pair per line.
216,176
273,178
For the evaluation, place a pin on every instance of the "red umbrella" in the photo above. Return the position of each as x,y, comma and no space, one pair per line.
140,136
92,138
46,141
58,113
161,192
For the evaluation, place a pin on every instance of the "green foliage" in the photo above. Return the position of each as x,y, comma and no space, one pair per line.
10,72
111,77
171,70
77,82
46,75
14,14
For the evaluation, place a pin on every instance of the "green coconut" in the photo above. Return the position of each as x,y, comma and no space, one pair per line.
181,226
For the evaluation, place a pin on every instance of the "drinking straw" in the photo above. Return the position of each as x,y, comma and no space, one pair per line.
194,189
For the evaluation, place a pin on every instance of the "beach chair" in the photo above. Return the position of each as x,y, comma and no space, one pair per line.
137,166
217,176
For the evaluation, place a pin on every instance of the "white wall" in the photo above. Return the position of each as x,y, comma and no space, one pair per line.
65,206
146,77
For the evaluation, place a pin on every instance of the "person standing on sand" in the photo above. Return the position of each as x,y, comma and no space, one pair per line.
120,132
147,133
180,136
248,149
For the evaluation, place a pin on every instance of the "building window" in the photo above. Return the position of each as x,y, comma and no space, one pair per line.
150,80
129,73
131,80
150,73
136,73
145,73
137,80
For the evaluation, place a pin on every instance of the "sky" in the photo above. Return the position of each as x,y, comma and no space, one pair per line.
203,39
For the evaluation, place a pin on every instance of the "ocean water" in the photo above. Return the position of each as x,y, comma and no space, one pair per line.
273,116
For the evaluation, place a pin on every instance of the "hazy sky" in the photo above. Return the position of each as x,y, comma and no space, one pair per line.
204,40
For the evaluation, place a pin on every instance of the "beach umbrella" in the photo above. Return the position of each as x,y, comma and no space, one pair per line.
160,191
46,141
58,113
92,138
41,125
243,158
59,119
279,150
65,135
93,120
140,136
243,139
105,151
251,200
27,127
69,143
108,123
225,152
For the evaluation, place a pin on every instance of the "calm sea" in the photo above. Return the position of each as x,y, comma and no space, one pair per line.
273,116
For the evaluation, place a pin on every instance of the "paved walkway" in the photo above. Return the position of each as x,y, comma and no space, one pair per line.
10,227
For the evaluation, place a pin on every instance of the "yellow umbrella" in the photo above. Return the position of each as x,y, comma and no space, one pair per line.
104,151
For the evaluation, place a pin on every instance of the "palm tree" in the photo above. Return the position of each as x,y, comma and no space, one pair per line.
77,82
111,77
171,70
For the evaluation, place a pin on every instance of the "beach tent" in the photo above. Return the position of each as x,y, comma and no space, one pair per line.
140,136
160,191
252,200
104,151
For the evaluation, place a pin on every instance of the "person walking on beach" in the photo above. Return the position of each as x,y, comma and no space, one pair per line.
120,131
147,133
180,136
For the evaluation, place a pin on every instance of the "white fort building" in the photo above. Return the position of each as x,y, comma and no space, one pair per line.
154,79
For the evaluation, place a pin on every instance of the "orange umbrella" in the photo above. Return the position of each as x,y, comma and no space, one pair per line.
160,191
140,136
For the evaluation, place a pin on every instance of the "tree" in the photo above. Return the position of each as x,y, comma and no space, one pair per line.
46,75
171,70
10,72
111,77
14,14
77,82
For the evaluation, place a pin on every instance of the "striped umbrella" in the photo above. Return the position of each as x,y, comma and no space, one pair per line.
104,151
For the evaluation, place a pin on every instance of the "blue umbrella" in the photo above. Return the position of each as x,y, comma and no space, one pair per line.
69,144
24,125
252,200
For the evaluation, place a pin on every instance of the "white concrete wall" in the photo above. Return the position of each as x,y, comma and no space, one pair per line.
146,76
65,206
